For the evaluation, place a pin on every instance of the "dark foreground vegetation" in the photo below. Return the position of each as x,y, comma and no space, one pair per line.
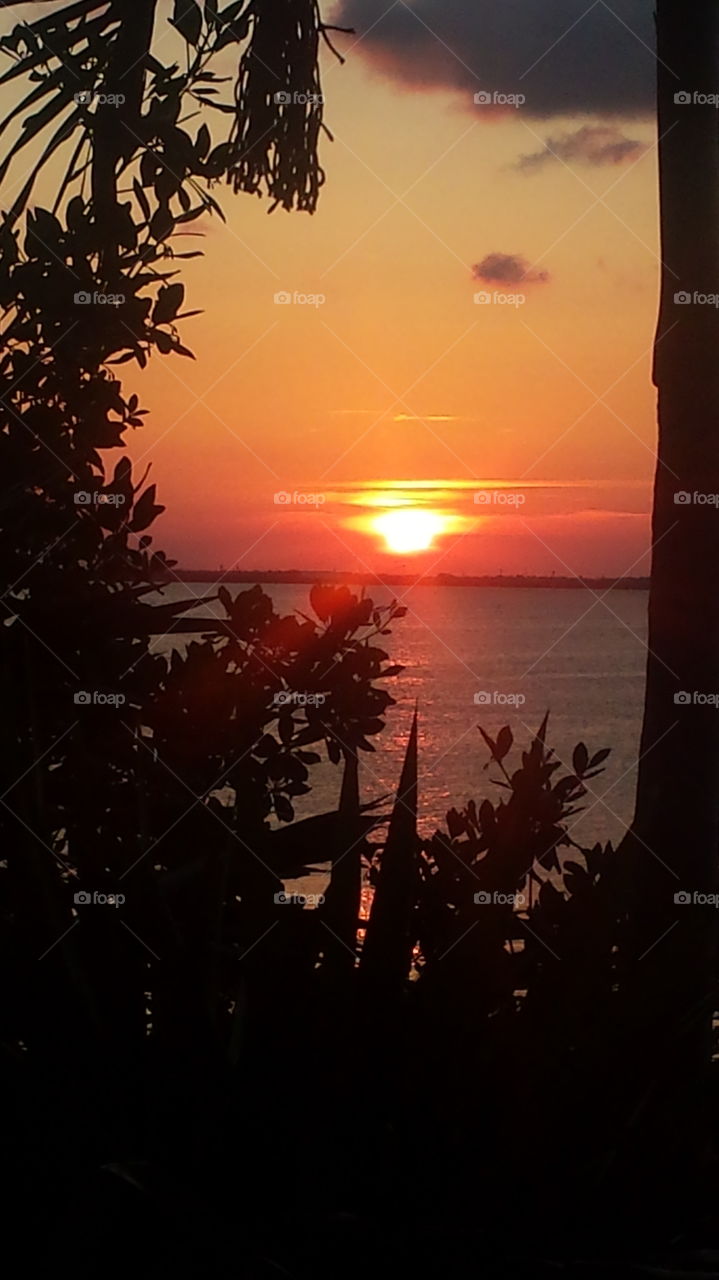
210,1079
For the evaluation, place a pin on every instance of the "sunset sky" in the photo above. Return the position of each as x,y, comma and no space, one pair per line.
398,376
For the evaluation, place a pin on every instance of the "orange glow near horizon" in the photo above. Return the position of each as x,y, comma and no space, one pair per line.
398,394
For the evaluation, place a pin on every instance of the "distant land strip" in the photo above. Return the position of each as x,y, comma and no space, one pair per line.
337,578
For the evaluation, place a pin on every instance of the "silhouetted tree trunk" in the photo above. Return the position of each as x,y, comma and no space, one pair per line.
676,825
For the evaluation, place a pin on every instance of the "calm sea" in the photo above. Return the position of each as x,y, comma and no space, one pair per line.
579,656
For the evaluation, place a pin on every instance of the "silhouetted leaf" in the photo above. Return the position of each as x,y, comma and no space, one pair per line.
203,142
232,11
162,223
322,599
169,301
145,510
486,817
387,949
141,199
187,18
283,808
580,759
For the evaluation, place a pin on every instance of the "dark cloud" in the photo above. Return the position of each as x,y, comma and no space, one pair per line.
599,144
564,60
507,268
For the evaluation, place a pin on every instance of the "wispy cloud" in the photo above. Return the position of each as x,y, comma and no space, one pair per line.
592,144
427,417
354,413
507,268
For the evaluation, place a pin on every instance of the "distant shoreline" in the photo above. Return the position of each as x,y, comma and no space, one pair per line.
307,577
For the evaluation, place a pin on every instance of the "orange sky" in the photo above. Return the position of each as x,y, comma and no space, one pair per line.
398,375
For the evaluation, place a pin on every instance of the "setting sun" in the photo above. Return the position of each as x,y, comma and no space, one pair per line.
410,529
